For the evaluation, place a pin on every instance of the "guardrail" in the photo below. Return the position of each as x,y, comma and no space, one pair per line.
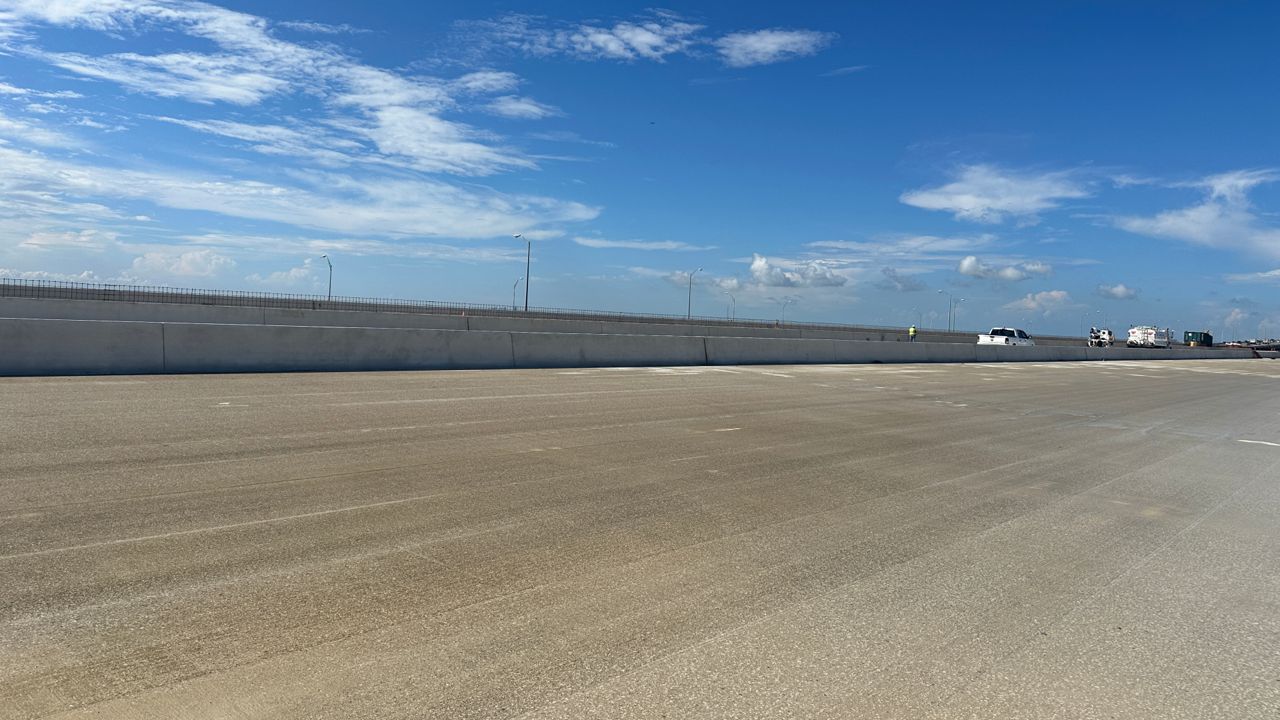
66,290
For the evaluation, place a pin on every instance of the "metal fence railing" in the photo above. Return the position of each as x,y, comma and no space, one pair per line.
67,290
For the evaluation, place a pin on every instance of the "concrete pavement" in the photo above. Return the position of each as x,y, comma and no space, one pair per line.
1018,540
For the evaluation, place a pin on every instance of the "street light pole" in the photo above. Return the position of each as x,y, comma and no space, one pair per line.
689,311
944,292
953,313
330,263
528,256
514,285
785,303
733,314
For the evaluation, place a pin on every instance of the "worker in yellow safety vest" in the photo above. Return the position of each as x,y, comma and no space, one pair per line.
911,333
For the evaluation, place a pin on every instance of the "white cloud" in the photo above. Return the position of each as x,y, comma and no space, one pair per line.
320,28
812,273
429,143
88,276
191,76
1224,219
652,38
297,246
898,281
7,89
191,263
762,47
973,267
80,240
25,132
989,194
522,108
637,244
1268,276
569,137
303,275
655,37
1045,302
401,115
847,70
1236,317
1119,291
322,201
487,81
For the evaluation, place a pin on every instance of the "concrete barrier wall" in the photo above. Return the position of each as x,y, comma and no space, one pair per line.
54,347
80,347
543,350
275,348
543,325
768,351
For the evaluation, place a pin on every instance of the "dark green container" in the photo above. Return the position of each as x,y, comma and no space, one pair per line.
1202,339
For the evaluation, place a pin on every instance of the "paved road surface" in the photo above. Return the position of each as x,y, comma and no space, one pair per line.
1068,540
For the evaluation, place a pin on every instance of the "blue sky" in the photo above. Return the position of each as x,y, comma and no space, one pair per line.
1054,165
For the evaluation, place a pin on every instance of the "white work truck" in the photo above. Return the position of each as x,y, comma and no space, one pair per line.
1148,336
1005,336
1101,338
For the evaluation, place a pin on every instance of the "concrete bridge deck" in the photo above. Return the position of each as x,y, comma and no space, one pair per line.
1015,540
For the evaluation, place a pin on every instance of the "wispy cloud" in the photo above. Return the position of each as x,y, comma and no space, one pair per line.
92,239
764,47
846,70
1268,276
905,253
22,131
990,194
654,36
353,247
7,89
399,116
568,136
487,81
320,28
322,201
638,244
1223,219
521,108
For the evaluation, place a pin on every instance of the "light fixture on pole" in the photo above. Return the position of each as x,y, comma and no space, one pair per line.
785,303
528,256
733,313
689,311
330,263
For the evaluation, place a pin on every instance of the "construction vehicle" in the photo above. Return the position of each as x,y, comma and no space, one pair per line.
1101,338
1148,336
1197,339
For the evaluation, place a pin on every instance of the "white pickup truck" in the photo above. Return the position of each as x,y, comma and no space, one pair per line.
1005,336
